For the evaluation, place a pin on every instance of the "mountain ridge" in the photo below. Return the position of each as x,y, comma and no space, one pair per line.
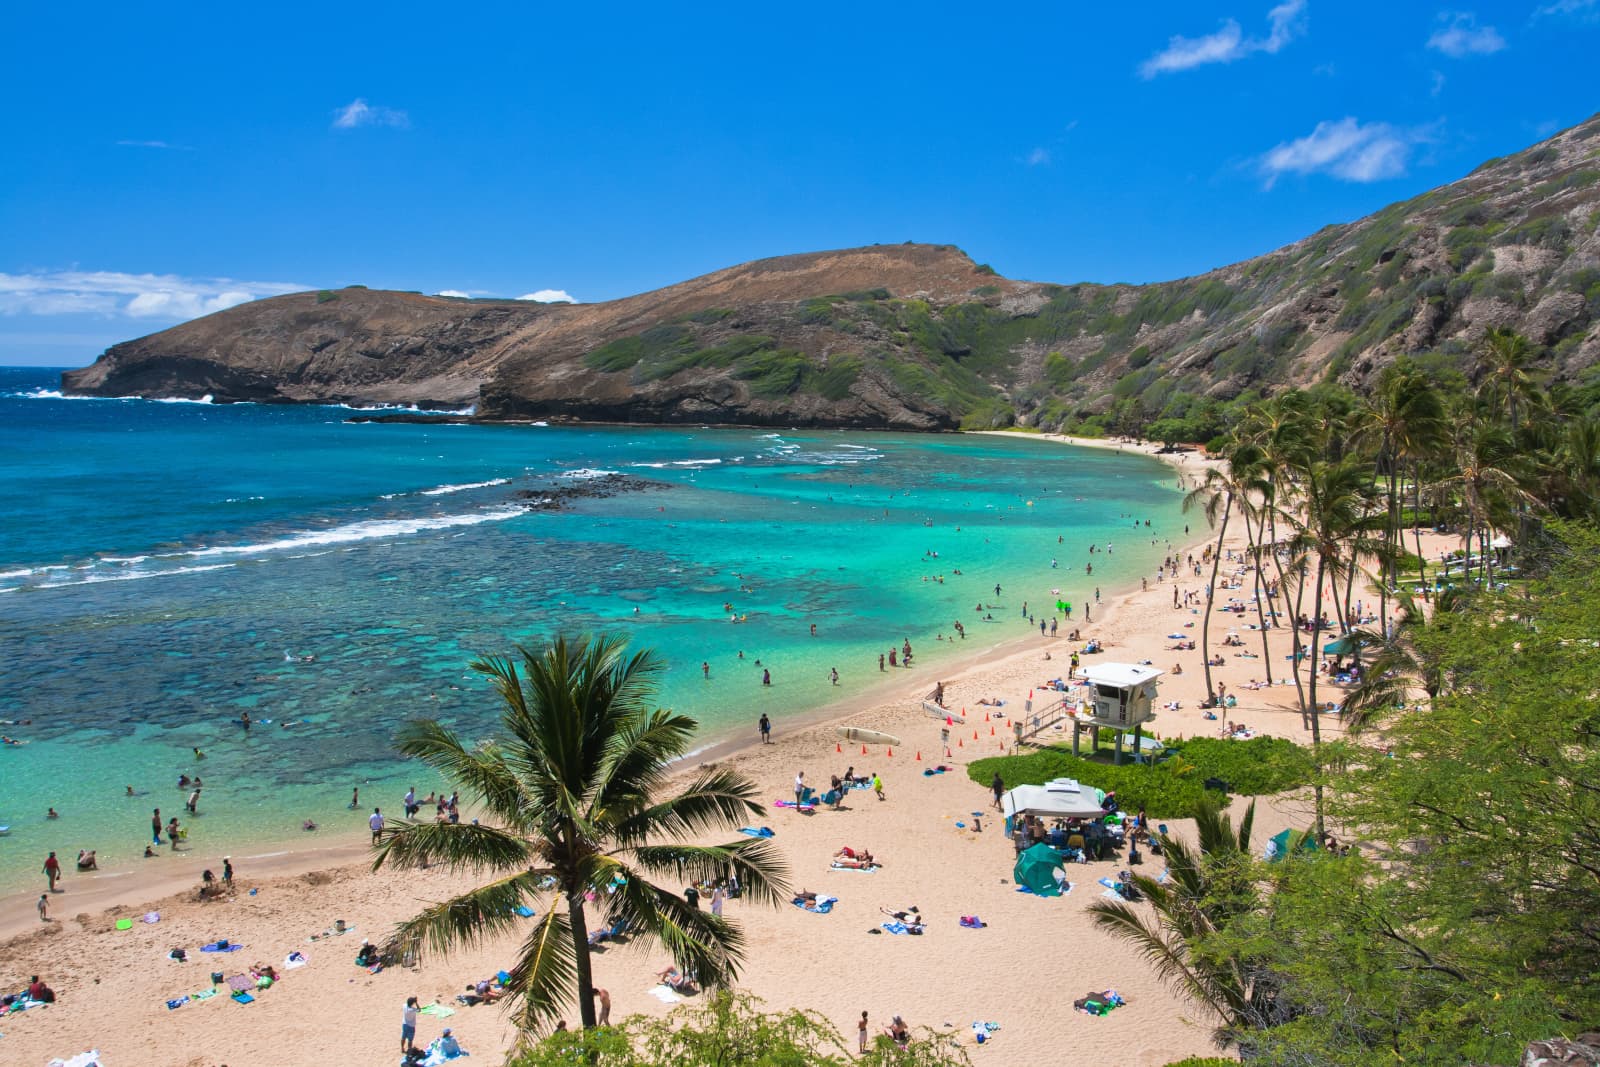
920,337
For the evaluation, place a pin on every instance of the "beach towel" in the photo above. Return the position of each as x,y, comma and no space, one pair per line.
293,960
791,804
751,831
221,946
438,1011
243,998
665,995
174,1004
896,928
982,1031
241,982
1065,887
820,906
930,772
857,870
972,922
204,994
82,1059
524,911
435,1057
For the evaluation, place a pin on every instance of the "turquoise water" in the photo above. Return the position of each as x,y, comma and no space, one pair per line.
167,566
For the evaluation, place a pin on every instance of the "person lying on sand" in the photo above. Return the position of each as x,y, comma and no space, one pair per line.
911,919
853,854
676,980
857,864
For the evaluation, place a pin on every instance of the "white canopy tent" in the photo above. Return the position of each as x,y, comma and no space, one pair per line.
1063,798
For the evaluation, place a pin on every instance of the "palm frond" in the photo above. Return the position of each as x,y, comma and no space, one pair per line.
758,865
462,846
481,772
542,980
471,919
713,800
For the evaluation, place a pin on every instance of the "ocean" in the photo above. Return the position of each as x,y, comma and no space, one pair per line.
167,566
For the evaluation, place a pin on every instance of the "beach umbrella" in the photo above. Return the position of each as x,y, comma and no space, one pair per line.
1040,869
1500,541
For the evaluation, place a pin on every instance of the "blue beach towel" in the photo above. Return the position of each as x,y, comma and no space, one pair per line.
751,831
218,946
821,906
524,911
896,928
174,1004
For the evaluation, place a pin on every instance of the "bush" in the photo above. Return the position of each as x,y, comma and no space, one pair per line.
1171,789
325,296
1251,768
1162,794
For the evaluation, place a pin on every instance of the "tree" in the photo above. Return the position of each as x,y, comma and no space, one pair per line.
1234,479
1206,889
573,805
730,1029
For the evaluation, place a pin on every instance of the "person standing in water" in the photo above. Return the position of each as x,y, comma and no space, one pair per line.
155,827
765,726
52,870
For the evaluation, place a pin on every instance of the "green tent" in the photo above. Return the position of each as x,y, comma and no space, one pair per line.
1286,840
1343,646
1036,868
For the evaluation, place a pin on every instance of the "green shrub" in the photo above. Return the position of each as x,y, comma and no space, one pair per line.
326,296
1251,768
984,268
986,291
1162,794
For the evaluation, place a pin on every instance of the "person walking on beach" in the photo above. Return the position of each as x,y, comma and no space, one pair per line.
717,897
408,1026
52,870
799,787
376,822
861,1034
999,788
227,872
604,997
44,907
877,785
155,827
766,729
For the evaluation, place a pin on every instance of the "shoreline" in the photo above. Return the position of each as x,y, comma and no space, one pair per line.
344,847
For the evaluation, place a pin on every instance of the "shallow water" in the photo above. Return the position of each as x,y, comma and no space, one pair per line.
167,566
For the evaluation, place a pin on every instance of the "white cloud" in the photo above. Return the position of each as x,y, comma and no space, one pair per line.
1438,84
1229,43
139,296
1038,157
360,113
1345,149
1582,8
550,296
145,144
1461,36
457,293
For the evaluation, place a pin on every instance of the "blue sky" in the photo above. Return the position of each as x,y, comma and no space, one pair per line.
165,163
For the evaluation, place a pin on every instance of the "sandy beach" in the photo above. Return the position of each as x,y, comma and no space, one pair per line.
1022,971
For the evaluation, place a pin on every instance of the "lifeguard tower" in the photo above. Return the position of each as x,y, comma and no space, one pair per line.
1120,697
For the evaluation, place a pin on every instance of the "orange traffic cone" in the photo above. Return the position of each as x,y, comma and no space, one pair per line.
960,743
891,752
837,747
986,716
991,731
947,752
947,721
919,755
863,750
974,735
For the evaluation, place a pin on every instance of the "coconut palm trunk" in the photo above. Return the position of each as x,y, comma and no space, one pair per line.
1211,593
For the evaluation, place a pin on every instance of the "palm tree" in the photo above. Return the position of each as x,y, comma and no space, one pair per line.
572,801
1488,475
1334,500
1405,420
1508,357
1205,889
1402,664
1235,478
